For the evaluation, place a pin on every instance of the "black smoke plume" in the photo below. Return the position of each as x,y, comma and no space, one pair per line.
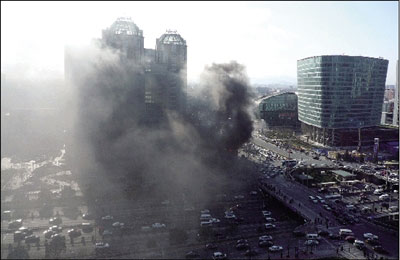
188,152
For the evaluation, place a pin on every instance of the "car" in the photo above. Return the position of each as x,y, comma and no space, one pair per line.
370,236
101,247
191,254
26,231
73,233
359,244
268,219
215,220
218,255
230,216
158,225
378,192
265,243
311,242
118,225
242,246
393,209
48,233
204,211
372,242
322,201
56,229
270,226
265,238
32,239
251,252
275,248
55,221
15,224
242,241
86,227
57,238
327,207
379,249
87,216
315,201
107,218
311,197
211,246
318,197
266,213
384,197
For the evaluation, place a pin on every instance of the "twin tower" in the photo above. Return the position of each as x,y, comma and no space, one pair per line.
164,69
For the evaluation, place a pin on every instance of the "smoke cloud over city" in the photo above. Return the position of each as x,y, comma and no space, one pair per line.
120,154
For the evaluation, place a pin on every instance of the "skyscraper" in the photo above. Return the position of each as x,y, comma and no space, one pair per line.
339,92
396,98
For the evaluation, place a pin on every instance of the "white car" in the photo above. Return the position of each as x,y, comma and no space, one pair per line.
266,213
370,236
270,219
219,255
384,197
158,225
311,242
275,248
101,245
230,216
205,211
269,226
118,225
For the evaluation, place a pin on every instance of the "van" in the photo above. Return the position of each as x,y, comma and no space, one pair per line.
345,232
313,236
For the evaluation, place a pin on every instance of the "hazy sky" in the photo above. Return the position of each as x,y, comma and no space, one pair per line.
267,37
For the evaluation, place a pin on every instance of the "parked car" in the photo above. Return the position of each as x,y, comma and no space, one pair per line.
275,248
370,236
270,226
73,233
32,239
158,225
15,224
219,255
359,244
311,242
55,221
242,246
48,233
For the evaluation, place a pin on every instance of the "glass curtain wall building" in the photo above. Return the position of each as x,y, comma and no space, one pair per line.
339,92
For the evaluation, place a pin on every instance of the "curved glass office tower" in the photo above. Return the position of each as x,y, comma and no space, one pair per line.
340,92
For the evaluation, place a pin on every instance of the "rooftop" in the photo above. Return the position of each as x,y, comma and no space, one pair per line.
343,173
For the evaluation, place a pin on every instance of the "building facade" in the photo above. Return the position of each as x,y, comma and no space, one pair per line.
396,98
339,92
279,110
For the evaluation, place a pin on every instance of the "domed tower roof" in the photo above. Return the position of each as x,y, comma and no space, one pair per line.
172,37
125,25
